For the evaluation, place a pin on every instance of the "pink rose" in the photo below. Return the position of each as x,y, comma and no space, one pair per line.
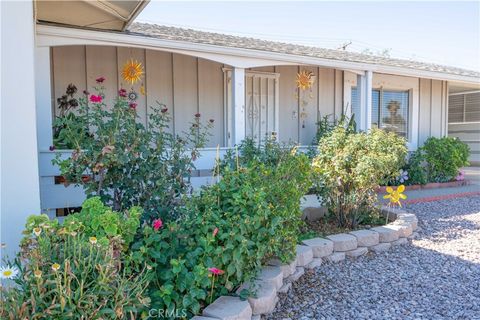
96,99
100,79
216,271
157,224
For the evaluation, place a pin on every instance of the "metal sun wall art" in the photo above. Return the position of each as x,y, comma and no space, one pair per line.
132,71
304,81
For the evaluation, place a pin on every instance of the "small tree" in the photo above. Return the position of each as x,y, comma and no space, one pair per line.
128,164
349,166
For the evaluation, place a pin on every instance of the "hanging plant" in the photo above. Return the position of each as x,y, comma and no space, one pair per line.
132,71
305,80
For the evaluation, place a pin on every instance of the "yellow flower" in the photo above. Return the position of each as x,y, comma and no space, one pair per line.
37,231
132,71
55,267
294,151
93,240
37,273
395,195
142,90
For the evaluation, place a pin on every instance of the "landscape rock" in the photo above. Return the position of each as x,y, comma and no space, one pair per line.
336,257
304,255
386,234
316,262
366,238
355,253
300,271
229,308
399,242
381,247
272,275
320,247
287,269
343,242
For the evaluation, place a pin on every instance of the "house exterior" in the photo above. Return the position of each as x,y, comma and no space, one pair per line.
248,86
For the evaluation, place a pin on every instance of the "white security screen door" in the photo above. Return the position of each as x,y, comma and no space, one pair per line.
261,105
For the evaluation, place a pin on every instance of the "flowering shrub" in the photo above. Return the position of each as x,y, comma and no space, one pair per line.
349,166
67,274
226,232
130,164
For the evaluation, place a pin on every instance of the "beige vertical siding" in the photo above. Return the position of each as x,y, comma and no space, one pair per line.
433,109
299,113
186,85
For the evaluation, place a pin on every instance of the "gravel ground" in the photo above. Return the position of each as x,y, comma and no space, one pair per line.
436,276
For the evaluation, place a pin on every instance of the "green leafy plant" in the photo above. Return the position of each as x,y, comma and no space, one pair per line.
66,274
443,158
100,221
129,164
349,166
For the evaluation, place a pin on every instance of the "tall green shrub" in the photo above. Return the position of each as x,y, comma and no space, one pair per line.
349,167
444,157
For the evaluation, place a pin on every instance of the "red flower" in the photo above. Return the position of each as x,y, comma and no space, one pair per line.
197,115
215,231
157,224
164,110
216,271
212,120
96,99
122,93
132,105
100,80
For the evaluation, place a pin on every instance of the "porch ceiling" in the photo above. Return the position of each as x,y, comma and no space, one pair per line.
98,14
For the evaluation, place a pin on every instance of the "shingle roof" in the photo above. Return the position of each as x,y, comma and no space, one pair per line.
196,36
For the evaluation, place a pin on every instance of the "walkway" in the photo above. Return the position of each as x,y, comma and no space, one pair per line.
437,276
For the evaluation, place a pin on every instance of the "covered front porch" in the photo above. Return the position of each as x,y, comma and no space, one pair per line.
247,93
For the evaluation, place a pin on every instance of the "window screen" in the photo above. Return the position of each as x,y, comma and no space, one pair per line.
464,107
389,110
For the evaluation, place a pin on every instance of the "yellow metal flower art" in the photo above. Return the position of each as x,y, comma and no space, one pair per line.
395,195
132,71
304,80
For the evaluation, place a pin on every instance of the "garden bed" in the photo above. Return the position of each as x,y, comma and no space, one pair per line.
277,278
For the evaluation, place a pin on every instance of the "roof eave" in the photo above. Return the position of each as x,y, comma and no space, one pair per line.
50,35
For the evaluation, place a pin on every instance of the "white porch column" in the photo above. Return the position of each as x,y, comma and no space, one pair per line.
364,87
238,104
368,98
43,94
20,195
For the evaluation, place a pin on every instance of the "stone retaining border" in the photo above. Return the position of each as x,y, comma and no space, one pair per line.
277,277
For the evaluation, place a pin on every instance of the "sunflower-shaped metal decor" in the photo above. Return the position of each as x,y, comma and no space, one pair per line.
132,71
304,80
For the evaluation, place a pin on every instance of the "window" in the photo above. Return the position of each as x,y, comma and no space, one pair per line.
464,107
389,110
